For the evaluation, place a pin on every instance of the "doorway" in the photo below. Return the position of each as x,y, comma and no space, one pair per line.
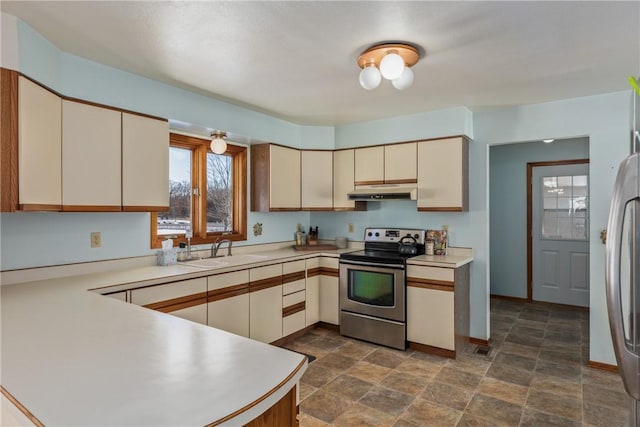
558,232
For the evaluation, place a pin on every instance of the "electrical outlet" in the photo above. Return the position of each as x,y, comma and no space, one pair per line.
350,227
96,239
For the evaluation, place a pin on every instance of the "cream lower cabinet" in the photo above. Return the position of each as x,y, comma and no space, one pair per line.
313,291
228,302
265,303
443,175
186,299
293,297
39,148
329,291
438,309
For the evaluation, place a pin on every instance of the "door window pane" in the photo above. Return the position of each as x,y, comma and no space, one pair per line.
219,193
177,220
565,205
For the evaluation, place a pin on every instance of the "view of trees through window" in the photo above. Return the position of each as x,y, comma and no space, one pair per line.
219,197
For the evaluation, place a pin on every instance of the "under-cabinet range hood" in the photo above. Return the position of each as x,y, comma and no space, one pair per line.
384,192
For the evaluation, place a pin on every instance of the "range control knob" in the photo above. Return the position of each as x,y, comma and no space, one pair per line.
416,236
369,234
377,234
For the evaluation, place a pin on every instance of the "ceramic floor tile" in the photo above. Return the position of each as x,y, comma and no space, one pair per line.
536,375
387,400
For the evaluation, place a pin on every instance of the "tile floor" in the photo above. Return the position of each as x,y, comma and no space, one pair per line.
535,375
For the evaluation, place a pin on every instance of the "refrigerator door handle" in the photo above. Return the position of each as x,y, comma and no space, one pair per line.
626,190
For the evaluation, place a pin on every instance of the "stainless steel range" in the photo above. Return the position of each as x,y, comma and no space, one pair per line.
373,286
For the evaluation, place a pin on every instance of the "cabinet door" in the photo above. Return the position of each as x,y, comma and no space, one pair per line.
401,163
443,175
369,165
265,303
145,163
343,179
312,291
430,317
91,158
228,307
317,180
284,180
186,299
329,291
39,147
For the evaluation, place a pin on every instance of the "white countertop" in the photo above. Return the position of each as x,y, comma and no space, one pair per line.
74,357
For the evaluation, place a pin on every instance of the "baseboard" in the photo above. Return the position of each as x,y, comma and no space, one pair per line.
478,341
330,326
508,298
432,350
294,336
542,303
602,366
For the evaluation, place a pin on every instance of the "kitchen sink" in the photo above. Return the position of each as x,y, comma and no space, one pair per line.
226,261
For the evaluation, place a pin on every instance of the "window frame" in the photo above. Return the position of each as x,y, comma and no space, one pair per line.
199,148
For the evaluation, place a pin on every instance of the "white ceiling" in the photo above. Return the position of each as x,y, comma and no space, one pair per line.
297,60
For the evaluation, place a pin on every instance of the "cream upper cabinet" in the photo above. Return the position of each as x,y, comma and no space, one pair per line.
343,179
275,178
443,175
317,180
369,165
91,158
145,163
401,163
39,147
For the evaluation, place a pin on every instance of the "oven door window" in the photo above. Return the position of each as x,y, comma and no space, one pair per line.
371,288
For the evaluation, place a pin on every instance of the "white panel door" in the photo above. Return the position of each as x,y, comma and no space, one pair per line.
560,234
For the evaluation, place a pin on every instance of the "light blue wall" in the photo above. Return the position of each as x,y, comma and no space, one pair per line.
508,207
604,119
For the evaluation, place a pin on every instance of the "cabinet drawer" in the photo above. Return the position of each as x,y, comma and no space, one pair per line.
431,273
293,323
329,262
292,299
266,272
220,281
293,267
293,287
193,289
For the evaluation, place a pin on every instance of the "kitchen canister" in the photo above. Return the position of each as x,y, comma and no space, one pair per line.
341,242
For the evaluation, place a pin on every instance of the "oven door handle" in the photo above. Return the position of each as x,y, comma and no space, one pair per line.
372,264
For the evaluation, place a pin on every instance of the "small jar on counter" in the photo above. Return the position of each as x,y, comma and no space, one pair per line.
428,248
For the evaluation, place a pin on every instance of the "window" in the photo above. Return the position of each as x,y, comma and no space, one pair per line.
566,200
207,193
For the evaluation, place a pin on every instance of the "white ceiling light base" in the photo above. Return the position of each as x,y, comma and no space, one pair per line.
389,60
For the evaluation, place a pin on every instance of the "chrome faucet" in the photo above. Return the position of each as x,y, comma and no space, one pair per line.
216,245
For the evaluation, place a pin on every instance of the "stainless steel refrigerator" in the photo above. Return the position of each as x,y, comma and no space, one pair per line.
623,267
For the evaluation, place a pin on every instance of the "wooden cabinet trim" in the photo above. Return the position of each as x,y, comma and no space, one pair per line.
90,208
293,277
400,181
441,209
40,208
434,286
267,283
419,282
145,208
174,304
293,309
376,182
432,350
316,271
9,140
21,407
227,292
328,271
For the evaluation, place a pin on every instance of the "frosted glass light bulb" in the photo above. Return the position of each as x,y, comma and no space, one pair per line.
391,66
370,77
218,145
405,80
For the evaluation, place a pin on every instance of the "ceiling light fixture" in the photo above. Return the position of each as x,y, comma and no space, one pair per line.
218,144
389,60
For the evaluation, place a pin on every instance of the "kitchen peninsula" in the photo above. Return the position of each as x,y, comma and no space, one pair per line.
75,357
